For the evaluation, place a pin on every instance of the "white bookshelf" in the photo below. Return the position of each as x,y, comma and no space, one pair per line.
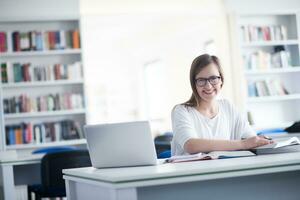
43,83
269,43
273,71
41,53
46,144
257,44
273,98
45,114
34,88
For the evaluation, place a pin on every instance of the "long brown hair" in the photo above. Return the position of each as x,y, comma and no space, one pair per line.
198,64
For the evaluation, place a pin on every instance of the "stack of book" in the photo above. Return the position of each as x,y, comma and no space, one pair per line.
280,145
261,60
26,72
51,102
252,33
28,133
45,40
268,87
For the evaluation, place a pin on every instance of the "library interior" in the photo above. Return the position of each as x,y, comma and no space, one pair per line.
95,99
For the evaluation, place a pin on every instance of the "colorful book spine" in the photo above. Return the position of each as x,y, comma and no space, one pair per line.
28,133
4,76
3,42
252,33
76,40
51,102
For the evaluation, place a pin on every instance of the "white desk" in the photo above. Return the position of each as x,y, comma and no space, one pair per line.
18,171
265,177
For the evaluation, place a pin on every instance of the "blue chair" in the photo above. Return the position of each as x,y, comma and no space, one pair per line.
165,154
54,149
163,145
271,131
52,164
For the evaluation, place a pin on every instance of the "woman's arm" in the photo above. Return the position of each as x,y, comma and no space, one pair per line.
196,145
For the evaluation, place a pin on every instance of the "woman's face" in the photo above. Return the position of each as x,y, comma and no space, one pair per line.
208,82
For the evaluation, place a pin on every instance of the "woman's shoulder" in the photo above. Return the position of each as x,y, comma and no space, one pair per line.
181,108
182,112
225,103
228,107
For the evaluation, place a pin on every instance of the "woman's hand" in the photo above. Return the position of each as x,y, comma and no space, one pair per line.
254,142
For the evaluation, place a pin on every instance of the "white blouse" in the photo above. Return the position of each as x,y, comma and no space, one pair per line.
188,122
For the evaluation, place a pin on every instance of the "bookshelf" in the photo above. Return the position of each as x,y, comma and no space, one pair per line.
42,98
269,50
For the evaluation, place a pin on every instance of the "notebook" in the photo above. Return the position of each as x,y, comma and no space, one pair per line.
209,156
285,145
120,144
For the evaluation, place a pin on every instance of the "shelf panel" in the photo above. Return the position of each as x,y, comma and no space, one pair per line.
41,83
273,98
273,71
41,53
44,114
44,19
46,144
270,43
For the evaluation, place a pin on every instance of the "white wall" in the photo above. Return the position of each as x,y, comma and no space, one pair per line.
257,6
104,7
38,9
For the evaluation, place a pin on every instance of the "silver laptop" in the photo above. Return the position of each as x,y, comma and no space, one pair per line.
120,144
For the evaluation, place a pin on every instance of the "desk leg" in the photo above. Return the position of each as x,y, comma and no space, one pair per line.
83,190
8,184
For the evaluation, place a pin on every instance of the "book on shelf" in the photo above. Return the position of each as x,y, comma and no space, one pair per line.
45,40
29,133
4,76
262,89
51,102
26,72
16,41
279,146
209,156
252,33
76,41
262,60
267,87
252,91
3,42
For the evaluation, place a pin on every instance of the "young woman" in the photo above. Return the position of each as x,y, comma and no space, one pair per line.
205,123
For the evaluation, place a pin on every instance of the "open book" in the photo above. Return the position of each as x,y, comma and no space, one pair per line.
279,146
209,156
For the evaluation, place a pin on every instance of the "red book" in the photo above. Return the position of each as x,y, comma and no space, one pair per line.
29,133
52,40
57,72
26,73
3,42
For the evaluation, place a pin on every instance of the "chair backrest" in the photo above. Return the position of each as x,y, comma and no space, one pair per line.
163,143
53,164
54,149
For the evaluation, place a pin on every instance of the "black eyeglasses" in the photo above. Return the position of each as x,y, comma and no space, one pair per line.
213,80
